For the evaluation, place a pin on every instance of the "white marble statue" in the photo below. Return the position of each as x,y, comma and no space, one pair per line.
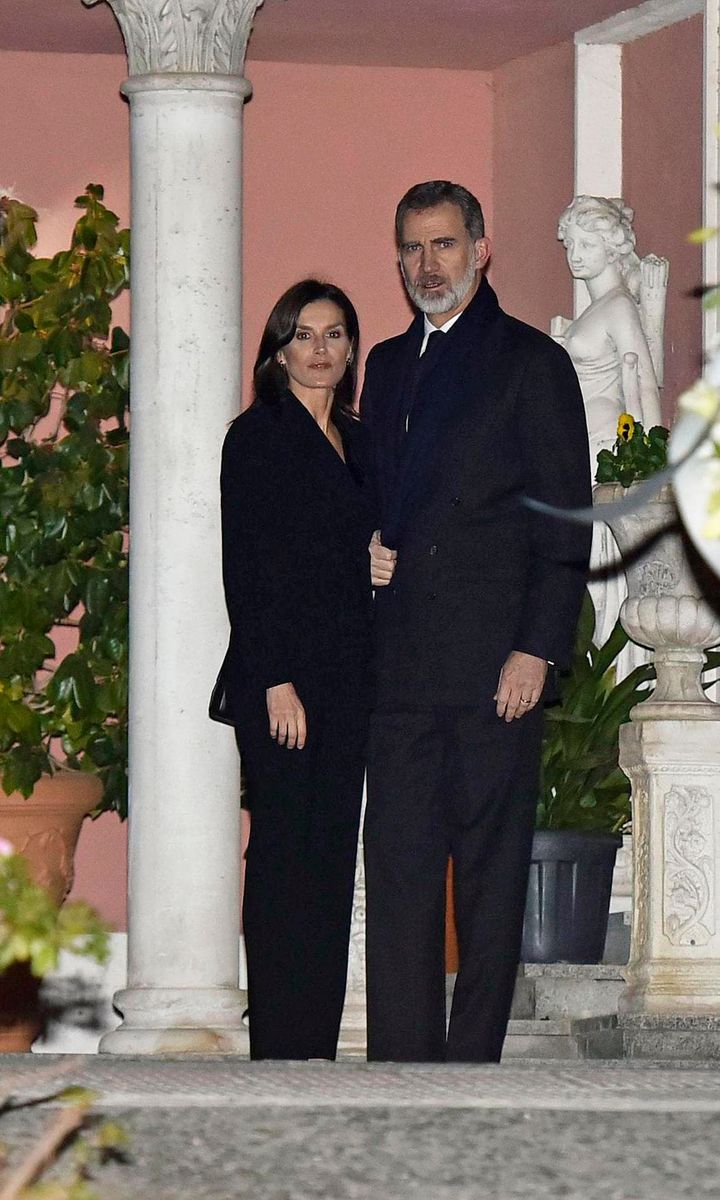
616,345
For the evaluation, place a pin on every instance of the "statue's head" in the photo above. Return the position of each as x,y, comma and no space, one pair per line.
610,223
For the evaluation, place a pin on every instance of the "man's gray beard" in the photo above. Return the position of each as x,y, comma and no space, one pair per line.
429,303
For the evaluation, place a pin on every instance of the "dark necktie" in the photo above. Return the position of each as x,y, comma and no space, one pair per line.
432,347
424,364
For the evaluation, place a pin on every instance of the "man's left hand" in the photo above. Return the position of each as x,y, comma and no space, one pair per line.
520,685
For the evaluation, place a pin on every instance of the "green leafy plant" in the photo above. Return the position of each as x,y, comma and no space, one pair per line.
33,929
63,500
636,454
74,1132
582,784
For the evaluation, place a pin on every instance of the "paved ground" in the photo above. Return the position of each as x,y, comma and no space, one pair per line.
216,1130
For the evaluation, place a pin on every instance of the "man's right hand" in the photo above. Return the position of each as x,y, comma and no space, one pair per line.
382,561
287,716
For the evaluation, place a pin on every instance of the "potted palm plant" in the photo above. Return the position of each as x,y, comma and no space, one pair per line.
63,534
584,803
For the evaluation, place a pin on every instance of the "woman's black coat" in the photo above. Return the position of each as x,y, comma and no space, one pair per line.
296,524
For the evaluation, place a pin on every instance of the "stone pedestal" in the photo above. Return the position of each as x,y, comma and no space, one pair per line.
674,767
670,750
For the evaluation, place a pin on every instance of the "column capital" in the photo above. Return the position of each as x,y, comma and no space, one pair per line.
191,36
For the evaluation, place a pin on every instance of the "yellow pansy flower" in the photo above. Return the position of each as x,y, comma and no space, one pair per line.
625,427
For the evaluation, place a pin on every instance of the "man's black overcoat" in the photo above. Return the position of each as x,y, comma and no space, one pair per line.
496,418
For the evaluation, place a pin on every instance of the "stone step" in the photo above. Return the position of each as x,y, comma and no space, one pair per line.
564,1038
662,1037
552,991
540,1040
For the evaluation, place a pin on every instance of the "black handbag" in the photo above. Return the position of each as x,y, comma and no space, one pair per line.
219,706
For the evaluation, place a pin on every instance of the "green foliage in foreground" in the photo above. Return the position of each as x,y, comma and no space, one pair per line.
63,500
34,930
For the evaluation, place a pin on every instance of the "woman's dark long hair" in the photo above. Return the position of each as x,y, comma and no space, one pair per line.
270,381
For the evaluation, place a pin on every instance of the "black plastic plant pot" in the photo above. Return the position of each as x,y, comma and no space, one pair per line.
568,897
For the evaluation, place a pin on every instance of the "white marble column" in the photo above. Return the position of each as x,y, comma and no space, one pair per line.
598,129
186,94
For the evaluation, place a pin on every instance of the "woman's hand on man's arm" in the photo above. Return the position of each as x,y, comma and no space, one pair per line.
288,724
382,561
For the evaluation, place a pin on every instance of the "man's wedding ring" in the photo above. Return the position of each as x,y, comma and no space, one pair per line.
523,700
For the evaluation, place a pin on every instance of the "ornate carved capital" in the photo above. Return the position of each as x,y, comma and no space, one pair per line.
207,36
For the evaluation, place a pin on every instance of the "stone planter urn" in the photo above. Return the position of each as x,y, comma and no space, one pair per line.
670,750
667,606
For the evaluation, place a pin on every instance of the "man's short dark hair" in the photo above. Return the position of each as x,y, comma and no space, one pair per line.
441,191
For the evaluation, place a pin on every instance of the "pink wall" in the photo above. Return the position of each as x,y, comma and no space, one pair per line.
71,128
662,169
533,182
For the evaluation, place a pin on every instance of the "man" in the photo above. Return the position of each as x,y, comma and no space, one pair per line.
477,593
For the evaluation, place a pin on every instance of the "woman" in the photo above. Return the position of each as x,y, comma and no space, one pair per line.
296,526
607,342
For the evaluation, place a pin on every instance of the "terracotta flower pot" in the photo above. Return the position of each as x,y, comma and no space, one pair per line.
44,829
20,1009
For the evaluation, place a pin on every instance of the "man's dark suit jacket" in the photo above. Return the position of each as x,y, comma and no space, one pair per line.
496,418
296,526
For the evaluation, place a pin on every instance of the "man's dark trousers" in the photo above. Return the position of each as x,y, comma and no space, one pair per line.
442,781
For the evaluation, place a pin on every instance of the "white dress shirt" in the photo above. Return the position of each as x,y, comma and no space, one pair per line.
430,328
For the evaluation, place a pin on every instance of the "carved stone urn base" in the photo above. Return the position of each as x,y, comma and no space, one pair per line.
678,694
672,606
674,962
